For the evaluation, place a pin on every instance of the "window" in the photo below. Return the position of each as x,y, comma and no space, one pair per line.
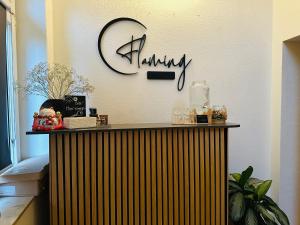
7,93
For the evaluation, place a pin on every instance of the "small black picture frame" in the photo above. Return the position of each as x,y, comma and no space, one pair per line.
75,106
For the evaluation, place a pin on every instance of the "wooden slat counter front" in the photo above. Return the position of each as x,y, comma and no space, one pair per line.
139,174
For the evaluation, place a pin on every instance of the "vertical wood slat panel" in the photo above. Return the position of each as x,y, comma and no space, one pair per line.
165,176
158,176
119,178
124,179
87,180
142,179
130,178
61,205
159,179
212,176
170,176
192,176
94,177
207,179
148,178
106,184
176,177
100,178
78,178
181,176
67,181
153,177
197,177
223,179
186,177
218,179
202,176
136,176
53,181
61,202
112,177
74,176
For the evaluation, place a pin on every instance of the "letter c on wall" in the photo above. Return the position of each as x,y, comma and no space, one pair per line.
101,36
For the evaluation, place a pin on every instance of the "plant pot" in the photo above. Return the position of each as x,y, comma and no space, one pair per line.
59,105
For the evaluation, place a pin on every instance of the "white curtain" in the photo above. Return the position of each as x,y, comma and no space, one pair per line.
12,79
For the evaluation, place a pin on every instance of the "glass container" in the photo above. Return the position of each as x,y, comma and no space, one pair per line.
199,95
219,114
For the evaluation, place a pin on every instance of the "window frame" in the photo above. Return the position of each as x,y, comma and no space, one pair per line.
12,80
12,88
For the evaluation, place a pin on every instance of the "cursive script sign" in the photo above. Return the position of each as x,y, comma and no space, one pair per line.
135,46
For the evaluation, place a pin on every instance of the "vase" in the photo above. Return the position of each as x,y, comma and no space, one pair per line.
59,105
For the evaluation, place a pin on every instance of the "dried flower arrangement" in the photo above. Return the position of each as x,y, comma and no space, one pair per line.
54,81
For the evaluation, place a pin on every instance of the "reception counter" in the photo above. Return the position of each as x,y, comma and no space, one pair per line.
137,174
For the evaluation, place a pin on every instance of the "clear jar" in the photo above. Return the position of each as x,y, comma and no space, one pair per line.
177,115
219,114
199,95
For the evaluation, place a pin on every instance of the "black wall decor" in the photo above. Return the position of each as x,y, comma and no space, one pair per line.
135,46
101,36
160,75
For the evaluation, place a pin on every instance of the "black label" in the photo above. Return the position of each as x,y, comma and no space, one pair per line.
202,119
75,106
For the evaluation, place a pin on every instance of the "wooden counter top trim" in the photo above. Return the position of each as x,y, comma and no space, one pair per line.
137,126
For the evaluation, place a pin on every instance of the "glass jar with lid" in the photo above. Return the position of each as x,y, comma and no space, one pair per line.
199,96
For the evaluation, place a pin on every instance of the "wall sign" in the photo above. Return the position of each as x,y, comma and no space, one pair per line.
75,106
152,61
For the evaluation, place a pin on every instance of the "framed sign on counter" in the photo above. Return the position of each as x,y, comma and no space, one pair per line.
75,106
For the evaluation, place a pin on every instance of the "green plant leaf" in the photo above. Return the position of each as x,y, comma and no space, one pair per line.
263,188
237,207
280,215
234,185
250,189
261,220
251,217
236,176
253,182
268,217
245,176
269,222
269,201
232,191
250,196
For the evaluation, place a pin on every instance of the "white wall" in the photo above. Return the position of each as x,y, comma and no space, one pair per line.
229,42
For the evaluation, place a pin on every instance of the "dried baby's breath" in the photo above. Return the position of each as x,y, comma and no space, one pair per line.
54,81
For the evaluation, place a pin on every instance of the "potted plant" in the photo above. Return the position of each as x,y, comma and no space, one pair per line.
249,204
54,82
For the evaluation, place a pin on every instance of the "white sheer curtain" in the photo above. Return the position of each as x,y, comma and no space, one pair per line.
11,91
12,80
